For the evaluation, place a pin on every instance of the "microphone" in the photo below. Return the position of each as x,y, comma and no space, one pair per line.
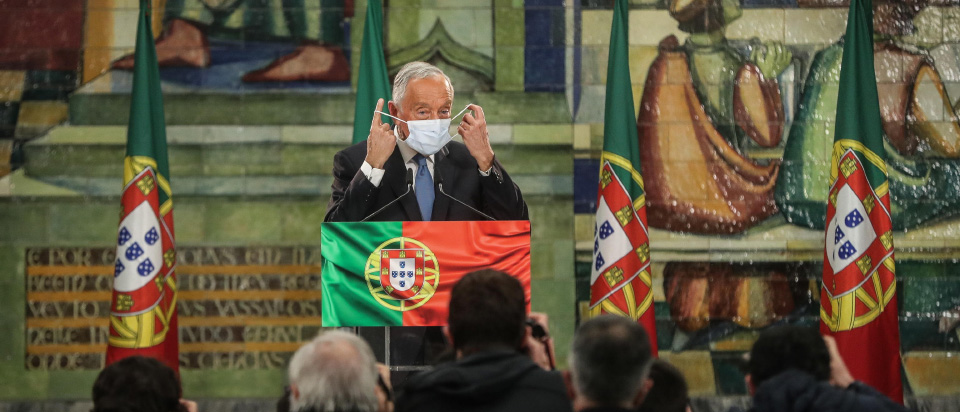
440,186
409,189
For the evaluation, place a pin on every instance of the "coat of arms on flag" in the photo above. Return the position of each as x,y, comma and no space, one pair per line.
858,279
144,288
402,274
621,252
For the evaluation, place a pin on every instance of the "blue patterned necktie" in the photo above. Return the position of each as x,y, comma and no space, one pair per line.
424,189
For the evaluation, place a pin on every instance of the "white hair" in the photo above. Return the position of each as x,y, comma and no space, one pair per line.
414,71
335,372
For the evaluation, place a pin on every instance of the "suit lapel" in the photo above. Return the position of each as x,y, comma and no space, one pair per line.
394,176
445,170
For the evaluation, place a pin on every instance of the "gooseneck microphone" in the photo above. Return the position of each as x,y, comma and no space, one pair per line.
440,187
409,189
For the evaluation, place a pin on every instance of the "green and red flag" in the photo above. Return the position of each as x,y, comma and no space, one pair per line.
858,300
620,276
143,309
401,273
372,81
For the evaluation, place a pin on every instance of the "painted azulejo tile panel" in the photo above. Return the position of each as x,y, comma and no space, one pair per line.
739,259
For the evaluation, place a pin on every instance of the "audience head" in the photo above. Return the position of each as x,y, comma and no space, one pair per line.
608,363
669,390
137,384
487,311
335,372
788,347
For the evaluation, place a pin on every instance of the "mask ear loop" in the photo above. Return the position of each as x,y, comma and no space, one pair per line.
392,117
461,112
458,115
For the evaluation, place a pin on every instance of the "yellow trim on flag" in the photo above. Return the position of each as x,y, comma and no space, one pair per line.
610,307
639,202
622,162
133,165
841,146
844,307
631,298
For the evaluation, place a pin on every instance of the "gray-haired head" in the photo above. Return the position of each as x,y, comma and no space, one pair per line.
609,360
335,372
414,71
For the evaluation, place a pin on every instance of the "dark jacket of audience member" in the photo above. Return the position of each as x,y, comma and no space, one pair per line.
137,384
486,327
497,380
797,391
790,371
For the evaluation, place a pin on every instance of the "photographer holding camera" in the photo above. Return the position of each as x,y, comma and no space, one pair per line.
502,359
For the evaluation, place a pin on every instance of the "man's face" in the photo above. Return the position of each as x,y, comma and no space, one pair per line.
425,99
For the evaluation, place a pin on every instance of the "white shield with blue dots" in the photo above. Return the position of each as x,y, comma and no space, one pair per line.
402,273
850,232
139,249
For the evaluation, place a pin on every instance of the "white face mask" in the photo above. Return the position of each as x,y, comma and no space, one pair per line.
427,137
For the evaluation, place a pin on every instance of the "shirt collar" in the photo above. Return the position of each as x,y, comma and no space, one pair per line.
406,151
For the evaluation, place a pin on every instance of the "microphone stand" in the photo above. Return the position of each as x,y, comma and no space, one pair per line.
409,189
440,187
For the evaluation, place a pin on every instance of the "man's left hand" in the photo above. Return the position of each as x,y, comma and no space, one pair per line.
473,128
189,405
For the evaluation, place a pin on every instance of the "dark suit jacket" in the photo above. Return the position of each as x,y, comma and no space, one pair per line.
354,197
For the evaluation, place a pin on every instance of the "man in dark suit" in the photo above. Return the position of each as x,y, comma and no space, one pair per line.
371,174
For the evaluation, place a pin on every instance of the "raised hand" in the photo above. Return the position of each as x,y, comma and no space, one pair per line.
189,405
539,349
381,141
473,128
839,374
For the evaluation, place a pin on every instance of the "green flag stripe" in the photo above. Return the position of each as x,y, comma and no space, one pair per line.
858,107
146,134
620,117
346,298
372,81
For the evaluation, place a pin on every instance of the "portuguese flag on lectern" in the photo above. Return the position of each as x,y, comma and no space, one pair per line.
859,295
620,276
401,273
143,310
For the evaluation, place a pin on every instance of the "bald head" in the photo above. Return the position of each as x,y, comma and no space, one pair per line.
334,372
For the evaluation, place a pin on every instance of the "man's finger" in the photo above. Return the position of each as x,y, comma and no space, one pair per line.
477,111
468,119
376,114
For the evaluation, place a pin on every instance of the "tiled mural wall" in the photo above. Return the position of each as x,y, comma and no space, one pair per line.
735,105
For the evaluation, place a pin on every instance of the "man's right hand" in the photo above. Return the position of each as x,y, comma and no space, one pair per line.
540,350
381,141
